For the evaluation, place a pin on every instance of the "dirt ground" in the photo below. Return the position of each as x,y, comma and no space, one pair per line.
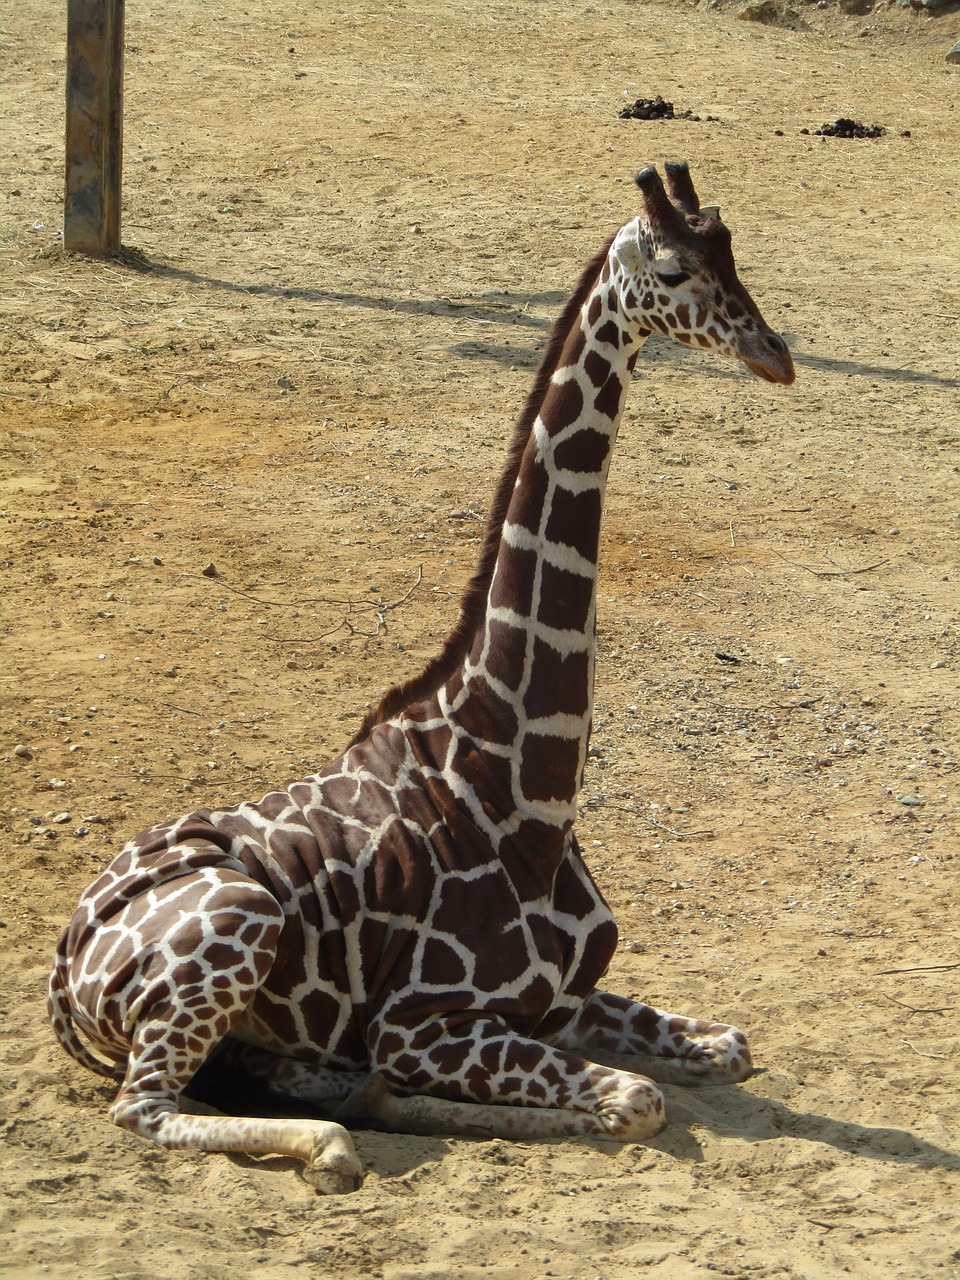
348,229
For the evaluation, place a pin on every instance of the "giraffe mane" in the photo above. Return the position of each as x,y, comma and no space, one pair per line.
473,601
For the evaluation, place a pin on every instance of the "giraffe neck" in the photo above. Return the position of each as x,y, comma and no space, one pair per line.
524,692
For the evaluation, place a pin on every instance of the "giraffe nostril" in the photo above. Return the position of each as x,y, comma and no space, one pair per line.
775,343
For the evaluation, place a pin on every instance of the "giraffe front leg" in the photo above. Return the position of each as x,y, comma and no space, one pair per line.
480,1079
630,1112
669,1047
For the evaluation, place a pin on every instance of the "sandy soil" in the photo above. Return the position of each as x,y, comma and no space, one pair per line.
348,233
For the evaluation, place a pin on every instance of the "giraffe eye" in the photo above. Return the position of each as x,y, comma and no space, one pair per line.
672,278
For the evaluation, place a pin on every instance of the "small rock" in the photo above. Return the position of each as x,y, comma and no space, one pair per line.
938,665
22,752
155,560
210,571
953,55
912,802
60,818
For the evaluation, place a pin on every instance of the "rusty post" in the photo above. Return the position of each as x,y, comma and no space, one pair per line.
94,140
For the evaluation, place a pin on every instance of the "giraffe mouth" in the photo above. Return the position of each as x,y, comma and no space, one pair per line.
781,376
770,359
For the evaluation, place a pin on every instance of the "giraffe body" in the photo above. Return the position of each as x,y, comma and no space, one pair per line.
412,934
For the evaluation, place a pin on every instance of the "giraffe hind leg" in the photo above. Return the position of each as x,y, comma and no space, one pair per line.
171,973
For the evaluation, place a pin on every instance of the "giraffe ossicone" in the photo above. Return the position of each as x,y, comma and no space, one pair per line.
411,935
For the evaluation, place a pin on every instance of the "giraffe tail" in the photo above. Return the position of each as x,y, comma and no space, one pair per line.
61,1017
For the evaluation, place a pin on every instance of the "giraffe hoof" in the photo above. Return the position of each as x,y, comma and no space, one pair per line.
334,1169
638,1113
332,1182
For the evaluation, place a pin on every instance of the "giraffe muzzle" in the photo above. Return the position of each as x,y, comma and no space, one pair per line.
768,356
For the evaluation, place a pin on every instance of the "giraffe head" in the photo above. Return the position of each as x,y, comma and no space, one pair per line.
681,279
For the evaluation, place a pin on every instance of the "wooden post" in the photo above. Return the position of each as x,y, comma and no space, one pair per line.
94,143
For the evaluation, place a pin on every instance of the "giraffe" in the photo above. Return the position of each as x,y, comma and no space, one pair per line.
411,935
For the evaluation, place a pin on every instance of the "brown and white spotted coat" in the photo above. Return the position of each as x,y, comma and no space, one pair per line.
413,928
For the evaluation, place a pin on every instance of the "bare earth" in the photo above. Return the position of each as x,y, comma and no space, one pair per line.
348,229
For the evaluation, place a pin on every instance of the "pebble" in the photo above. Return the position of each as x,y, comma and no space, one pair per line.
913,802
60,818
210,571
22,752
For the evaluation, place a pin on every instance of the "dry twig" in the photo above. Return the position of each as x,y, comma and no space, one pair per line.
911,1010
920,968
363,605
834,573
920,1054
377,607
